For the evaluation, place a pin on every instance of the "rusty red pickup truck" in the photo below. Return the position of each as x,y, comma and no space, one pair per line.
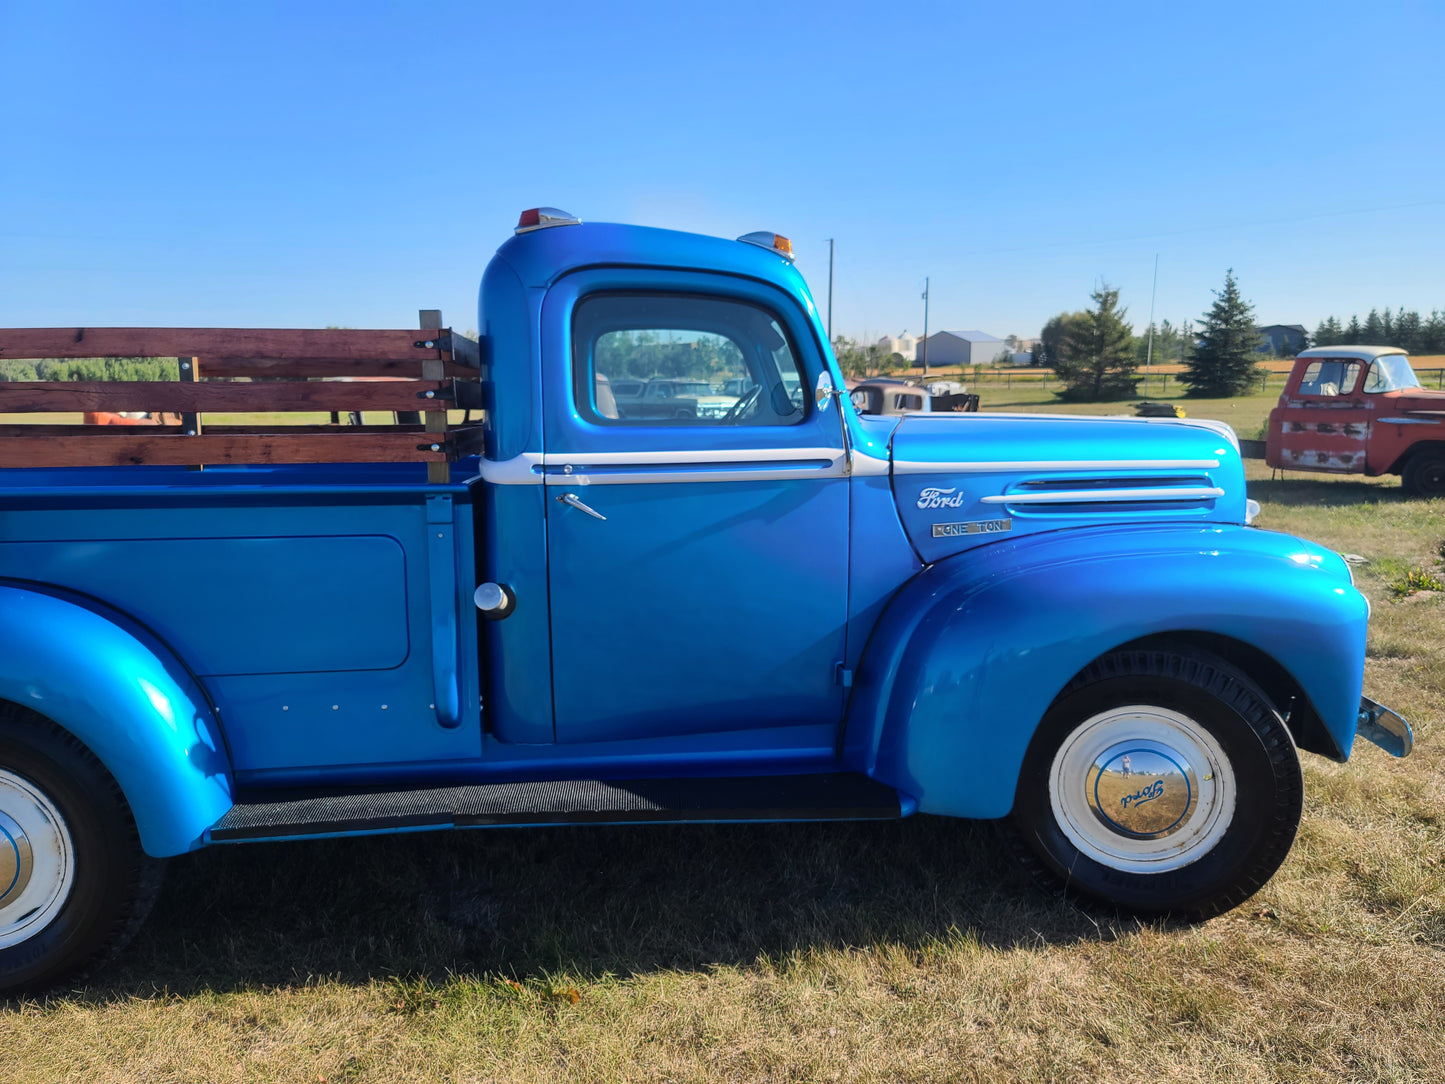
1360,410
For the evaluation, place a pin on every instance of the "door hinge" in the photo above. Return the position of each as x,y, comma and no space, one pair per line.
842,676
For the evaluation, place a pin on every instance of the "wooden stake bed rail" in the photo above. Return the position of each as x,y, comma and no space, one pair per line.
341,371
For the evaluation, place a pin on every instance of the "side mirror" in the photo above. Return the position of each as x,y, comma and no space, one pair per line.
823,394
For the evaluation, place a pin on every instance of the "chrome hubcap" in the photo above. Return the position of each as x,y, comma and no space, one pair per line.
1142,789
37,861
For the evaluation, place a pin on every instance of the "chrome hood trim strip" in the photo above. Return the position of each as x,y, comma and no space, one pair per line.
1108,496
917,467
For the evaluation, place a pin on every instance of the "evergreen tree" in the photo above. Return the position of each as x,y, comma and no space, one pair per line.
1096,358
1407,332
1224,359
1432,334
1375,330
1051,338
1354,334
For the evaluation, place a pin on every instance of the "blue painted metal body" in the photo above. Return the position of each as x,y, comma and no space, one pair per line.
898,597
971,653
123,693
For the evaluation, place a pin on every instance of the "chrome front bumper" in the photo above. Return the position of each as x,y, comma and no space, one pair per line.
1386,728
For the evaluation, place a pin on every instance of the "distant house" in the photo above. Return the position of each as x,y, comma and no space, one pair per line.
1281,338
962,348
904,344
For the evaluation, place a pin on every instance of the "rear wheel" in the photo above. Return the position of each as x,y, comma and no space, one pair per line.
1424,475
74,882
1161,783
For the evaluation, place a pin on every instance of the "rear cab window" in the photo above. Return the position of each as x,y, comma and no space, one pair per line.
1330,377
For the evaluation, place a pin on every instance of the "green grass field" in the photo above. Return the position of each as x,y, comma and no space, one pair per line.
905,952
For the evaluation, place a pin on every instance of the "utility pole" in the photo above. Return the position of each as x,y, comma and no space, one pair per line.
1149,352
925,326
830,292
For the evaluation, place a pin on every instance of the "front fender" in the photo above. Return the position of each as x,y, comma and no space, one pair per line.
971,653
123,693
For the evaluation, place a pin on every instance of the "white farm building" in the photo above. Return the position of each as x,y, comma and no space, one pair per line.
962,348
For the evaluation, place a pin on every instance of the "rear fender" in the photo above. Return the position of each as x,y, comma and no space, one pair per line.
970,654
124,694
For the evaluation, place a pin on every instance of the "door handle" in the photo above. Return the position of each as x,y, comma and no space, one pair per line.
571,500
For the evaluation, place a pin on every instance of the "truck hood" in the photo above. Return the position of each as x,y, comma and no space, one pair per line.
961,480
1428,402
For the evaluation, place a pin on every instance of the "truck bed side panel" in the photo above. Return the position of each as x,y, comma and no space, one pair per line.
308,615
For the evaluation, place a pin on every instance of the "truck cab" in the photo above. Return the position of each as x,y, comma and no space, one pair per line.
1360,410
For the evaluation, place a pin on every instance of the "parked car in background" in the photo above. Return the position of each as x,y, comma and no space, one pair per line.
1360,410
663,397
889,395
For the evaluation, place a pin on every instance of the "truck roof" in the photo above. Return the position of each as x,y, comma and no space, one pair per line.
1349,351
541,256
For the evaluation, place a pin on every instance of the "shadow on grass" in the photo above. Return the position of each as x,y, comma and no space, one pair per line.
1293,489
589,901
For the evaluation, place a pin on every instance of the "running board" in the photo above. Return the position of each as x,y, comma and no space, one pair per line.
836,796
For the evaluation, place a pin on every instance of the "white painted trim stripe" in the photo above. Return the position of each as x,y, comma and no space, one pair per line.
629,468
918,467
668,459
521,470
1107,496
679,475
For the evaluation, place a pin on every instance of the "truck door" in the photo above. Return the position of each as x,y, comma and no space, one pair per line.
1323,420
697,565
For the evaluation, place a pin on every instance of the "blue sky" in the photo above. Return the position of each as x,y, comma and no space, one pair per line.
304,164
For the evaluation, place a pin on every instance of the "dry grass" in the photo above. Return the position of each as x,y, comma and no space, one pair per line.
897,952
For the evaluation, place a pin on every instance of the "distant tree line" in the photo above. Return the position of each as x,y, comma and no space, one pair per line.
1097,354
92,369
648,354
859,360
1403,328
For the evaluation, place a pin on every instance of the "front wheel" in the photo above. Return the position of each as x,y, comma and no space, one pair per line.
74,882
1424,475
1160,783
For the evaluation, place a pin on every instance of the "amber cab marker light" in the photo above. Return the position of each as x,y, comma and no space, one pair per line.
539,218
774,242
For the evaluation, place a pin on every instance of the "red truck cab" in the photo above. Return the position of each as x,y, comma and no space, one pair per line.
1360,410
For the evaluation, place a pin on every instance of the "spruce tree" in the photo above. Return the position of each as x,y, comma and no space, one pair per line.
1096,358
1223,362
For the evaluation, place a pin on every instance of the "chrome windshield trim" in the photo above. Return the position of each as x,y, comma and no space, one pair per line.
917,467
1107,496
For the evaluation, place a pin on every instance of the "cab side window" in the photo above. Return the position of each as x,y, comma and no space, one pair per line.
682,360
1330,378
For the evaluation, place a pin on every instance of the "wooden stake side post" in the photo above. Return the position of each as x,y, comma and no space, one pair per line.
406,368
191,420
435,421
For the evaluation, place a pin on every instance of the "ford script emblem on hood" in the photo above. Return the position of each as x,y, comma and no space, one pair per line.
940,498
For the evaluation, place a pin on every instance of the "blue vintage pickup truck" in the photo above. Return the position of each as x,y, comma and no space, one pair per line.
784,611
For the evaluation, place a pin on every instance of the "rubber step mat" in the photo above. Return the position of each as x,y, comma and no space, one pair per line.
834,796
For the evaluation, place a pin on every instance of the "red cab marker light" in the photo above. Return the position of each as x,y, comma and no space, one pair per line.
539,218
774,242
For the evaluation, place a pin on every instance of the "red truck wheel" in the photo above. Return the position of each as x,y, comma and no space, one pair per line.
74,882
1424,475
1159,783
